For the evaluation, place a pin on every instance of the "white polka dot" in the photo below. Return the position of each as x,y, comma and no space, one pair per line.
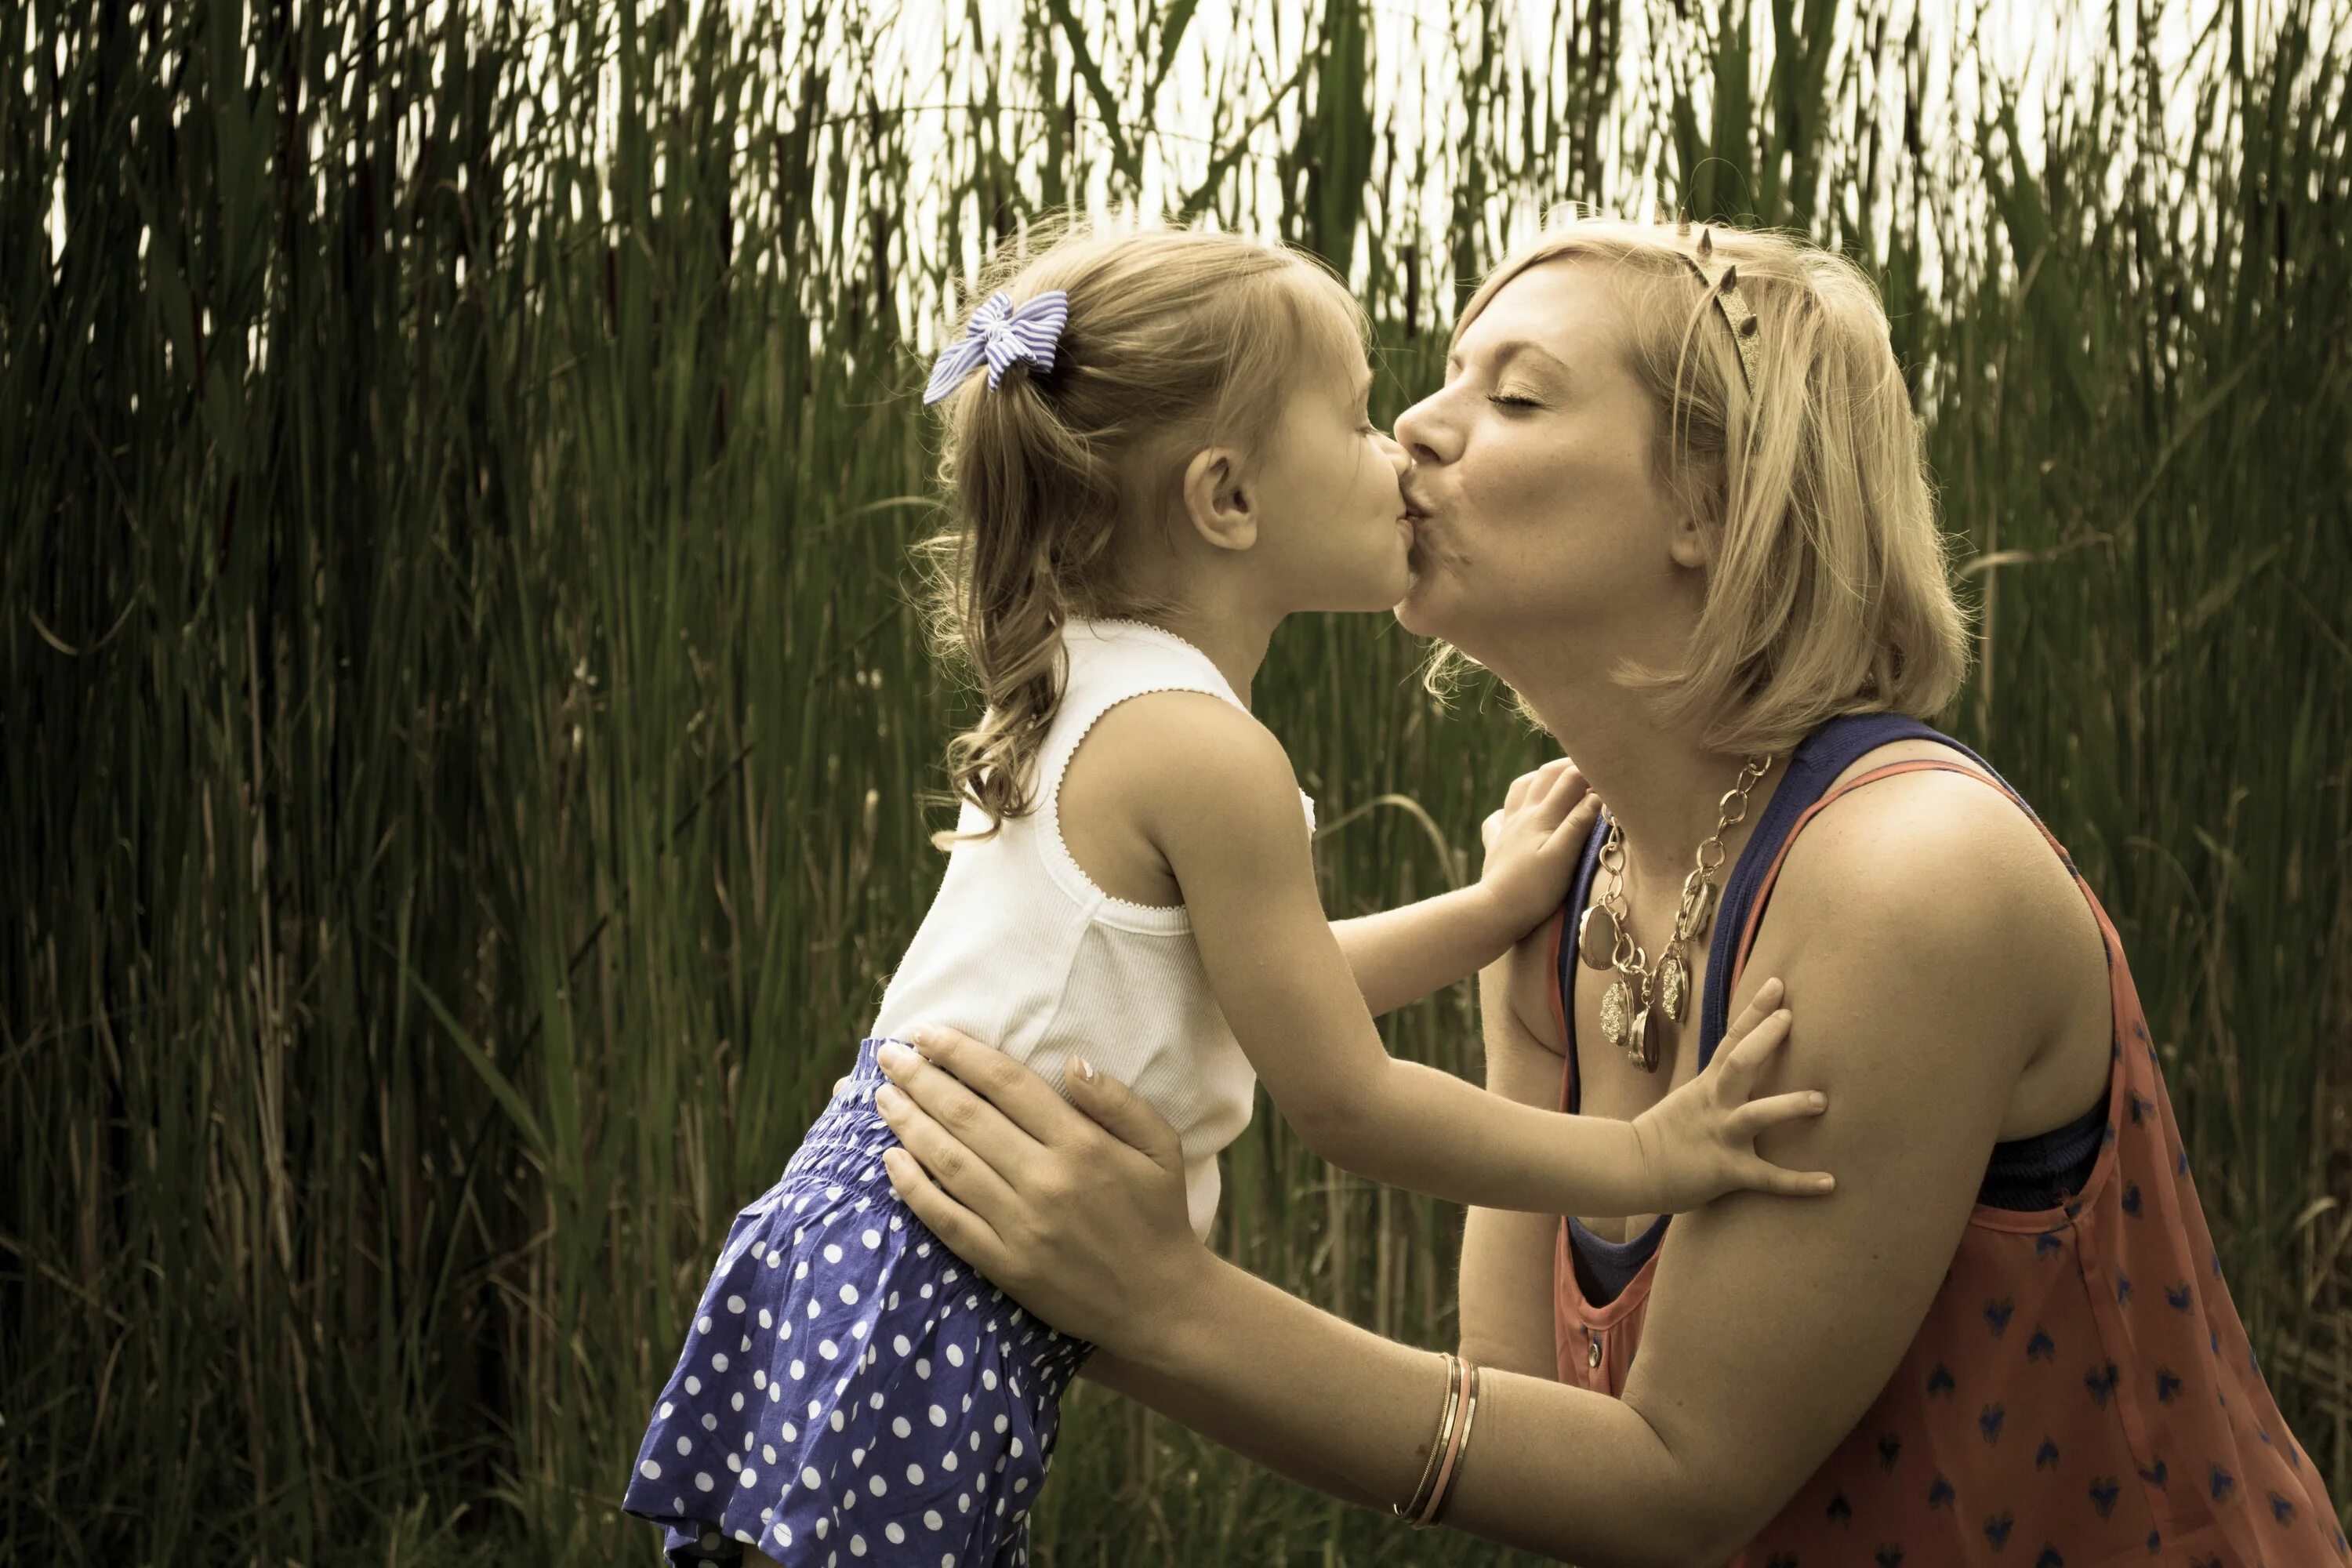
792,1432
800,1369
749,1476
988,1380
955,1357
694,1385
922,1366
768,1452
1001,1423
784,1533
734,1303
667,1408
857,1546
767,1319
925,1292
939,1416
877,1486
775,1392
718,1361
822,1521
872,1238
914,1475
922,1249
827,1349
686,1445
736,1400
875,1400
702,1479
800,1269
836,1420
650,1471
849,1295
832,1252
813,1309
898,1427
1016,1448
702,1323
1020,1483
833,1192
931,1520
760,1377
893,1534
963,1502
948,1460
810,1477
709,1422
735,1464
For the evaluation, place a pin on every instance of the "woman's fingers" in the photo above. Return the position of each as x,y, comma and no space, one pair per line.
966,1235
1026,1103
967,1176
1124,1114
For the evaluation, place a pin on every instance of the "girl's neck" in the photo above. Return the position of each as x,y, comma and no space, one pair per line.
1234,640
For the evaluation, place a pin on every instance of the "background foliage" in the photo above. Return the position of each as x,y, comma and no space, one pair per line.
466,733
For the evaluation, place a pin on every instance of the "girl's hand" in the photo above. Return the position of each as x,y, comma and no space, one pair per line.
1533,844
1078,1214
1698,1143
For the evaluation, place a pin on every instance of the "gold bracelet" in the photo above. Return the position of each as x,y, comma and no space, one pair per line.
1451,1479
1412,1510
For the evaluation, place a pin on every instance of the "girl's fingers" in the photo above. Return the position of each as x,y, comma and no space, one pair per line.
1576,827
1759,1116
1747,1058
1766,1177
964,1233
1759,1007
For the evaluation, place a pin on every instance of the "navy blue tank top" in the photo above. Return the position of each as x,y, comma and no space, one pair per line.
2025,1173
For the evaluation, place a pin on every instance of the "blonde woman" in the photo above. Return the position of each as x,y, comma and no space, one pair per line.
1671,492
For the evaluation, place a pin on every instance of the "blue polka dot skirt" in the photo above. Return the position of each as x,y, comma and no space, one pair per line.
851,1392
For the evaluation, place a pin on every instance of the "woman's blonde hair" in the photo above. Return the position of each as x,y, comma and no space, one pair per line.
1176,339
1829,589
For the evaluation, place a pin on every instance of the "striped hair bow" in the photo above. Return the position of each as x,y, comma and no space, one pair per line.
1000,334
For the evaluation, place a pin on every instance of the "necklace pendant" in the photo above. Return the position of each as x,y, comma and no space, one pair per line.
1596,937
1640,1043
1673,983
1617,1012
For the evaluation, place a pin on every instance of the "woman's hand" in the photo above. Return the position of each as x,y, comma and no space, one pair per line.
1533,845
1700,1141
1078,1215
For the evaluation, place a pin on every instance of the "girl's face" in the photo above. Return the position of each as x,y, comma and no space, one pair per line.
1332,533
1538,517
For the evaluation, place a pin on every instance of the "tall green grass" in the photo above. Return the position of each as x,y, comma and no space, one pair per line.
466,735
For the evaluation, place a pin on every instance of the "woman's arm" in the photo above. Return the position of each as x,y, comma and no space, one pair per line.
1507,1257
1770,1327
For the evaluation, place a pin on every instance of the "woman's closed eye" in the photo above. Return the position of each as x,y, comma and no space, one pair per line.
1512,400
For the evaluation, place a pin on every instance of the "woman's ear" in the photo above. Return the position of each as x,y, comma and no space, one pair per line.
1217,505
1691,546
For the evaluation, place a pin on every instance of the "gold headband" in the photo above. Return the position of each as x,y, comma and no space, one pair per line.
1725,291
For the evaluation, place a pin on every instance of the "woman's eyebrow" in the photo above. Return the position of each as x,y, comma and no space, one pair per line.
1511,349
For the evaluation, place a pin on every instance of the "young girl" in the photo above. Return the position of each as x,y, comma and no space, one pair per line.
1159,448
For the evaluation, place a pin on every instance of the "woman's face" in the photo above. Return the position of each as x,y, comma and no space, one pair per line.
1540,523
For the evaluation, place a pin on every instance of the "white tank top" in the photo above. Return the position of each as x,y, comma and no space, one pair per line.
1022,950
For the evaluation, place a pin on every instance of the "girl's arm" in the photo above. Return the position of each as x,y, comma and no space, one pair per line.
1399,956
1232,837
1770,1327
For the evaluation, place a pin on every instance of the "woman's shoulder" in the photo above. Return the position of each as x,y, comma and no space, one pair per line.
1945,863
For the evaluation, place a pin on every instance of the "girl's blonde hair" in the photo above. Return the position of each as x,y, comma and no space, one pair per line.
1829,589
1176,339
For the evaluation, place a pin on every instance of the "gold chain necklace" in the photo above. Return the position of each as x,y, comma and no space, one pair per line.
1604,938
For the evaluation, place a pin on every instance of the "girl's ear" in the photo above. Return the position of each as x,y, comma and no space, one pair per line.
1218,508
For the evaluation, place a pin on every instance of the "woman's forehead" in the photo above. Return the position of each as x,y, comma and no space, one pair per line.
1562,305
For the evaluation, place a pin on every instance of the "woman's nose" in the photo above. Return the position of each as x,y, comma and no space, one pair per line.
1421,433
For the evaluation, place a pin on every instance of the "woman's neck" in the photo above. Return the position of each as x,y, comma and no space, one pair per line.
1664,787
